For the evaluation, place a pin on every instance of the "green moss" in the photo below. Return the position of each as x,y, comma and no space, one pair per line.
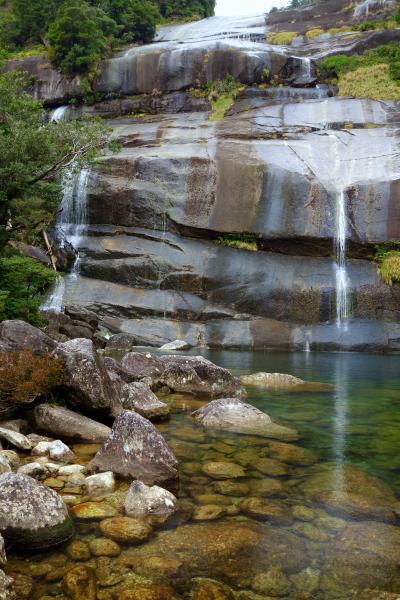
313,33
243,241
220,106
370,82
281,38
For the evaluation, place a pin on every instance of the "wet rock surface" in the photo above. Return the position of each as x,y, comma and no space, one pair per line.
59,421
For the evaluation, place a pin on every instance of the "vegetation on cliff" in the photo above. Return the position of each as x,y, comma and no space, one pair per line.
33,156
77,33
374,74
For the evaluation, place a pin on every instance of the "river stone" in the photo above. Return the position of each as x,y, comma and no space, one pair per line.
121,341
147,592
4,465
230,414
100,484
376,595
135,448
176,345
78,550
142,500
32,516
266,510
269,487
15,439
126,530
87,382
93,511
273,582
229,550
223,470
270,466
59,421
282,381
18,335
363,555
292,454
104,547
79,583
137,396
230,488
208,512
363,497
207,589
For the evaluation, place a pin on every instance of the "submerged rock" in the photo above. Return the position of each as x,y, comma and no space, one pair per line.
79,583
230,414
136,449
143,500
291,454
126,530
137,396
223,470
282,381
147,592
32,516
87,382
62,422
207,589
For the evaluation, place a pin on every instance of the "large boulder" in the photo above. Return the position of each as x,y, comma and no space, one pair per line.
64,423
137,396
32,516
136,449
282,381
183,374
86,379
18,335
230,414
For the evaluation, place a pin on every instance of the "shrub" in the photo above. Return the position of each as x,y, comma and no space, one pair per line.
23,283
244,241
313,33
25,377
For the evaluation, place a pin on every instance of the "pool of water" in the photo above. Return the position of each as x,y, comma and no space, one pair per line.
319,524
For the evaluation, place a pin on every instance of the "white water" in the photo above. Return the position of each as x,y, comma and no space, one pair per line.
215,28
71,227
342,293
59,114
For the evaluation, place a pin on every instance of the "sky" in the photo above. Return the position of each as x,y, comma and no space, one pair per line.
245,7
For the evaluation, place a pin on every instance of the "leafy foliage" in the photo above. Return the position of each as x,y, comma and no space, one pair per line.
23,283
389,262
244,241
25,377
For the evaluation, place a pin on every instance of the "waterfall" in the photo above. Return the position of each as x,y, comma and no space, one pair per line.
58,114
342,300
306,67
71,226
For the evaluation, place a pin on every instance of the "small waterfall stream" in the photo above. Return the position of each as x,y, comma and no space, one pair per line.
71,226
342,297
58,114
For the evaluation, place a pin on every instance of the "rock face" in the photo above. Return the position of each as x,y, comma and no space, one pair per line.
230,414
136,449
65,423
32,515
86,379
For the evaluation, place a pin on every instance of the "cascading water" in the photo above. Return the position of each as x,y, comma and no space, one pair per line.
59,114
71,227
342,296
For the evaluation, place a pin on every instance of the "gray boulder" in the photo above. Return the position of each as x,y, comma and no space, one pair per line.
87,381
121,341
136,449
32,516
230,414
65,423
142,365
78,313
137,396
144,501
176,345
18,335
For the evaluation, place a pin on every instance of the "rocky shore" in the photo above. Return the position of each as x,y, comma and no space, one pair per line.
230,506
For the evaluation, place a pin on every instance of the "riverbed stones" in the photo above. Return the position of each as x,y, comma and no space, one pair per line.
147,592
154,501
272,582
104,547
230,488
93,511
229,550
32,516
231,414
126,530
266,510
363,555
79,583
223,470
208,512
207,589
137,396
87,382
136,449
363,495
292,454
268,487
78,550
59,421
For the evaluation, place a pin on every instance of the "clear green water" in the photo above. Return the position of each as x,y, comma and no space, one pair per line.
320,553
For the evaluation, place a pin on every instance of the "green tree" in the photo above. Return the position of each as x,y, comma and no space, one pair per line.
186,8
32,18
137,19
78,37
